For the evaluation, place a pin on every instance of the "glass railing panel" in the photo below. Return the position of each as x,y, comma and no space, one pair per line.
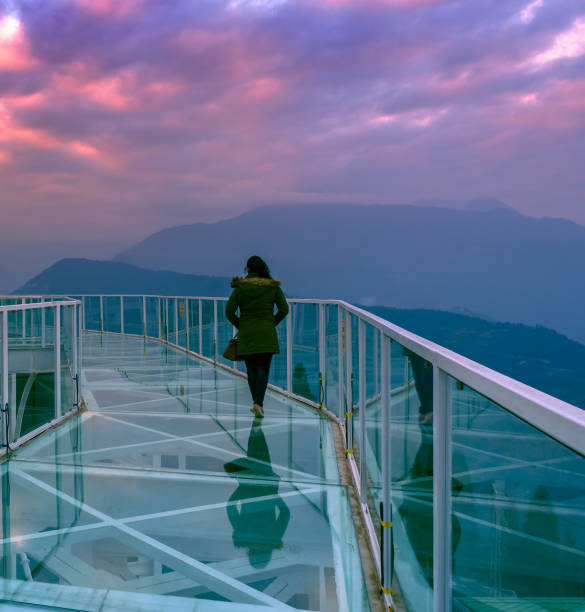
305,350
278,365
193,316
67,355
331,358
133,315
112,314
373,418
172,316
152,317
91,309
225,331
411,397
181,331
208,345
518,497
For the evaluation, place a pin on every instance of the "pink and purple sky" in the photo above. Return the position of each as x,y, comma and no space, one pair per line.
121,117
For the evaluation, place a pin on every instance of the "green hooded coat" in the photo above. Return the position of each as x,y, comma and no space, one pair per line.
255,297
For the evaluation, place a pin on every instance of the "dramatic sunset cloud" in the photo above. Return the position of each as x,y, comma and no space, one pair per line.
119,117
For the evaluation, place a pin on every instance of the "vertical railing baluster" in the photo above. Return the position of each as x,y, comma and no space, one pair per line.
177,321
144,329
349,384
386,514
101,313
121,314
441,491
187,323
362,408
289,349
159,311
322,357
57,394
23,301
200,326
166,330
43,327
75,363
340,353
5,438
215,331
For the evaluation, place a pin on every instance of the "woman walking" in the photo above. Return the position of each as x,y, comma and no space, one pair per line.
255,296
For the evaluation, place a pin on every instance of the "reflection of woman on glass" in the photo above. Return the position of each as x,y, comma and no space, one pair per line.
255,296
258,524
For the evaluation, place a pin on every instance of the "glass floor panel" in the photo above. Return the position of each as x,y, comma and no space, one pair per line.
167,494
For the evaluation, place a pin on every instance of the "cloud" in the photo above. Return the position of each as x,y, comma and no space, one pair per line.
568,44
14,50
228,103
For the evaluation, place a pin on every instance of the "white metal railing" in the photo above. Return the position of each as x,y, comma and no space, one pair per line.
31,327
177,324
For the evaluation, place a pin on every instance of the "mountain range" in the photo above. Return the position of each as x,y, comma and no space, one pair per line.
536,356
488,259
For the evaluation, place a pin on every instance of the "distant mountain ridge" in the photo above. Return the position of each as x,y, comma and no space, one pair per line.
87,276
536,356
497,261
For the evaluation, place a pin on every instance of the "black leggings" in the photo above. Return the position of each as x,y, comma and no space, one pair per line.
258,367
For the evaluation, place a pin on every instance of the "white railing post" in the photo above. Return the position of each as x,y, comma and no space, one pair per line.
57,393
441,491
4,375
79,341
200,326
362,408
386,513
82,313
23,301
289,349
121,314
215,331
322,358
187,323
176,321
101,313
75,364
166,319
144,315
348,383
43,328
340,353
159,311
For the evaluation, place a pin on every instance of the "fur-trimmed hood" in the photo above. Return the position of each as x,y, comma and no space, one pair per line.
258,281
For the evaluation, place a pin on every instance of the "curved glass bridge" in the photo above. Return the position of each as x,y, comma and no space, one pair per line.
136,477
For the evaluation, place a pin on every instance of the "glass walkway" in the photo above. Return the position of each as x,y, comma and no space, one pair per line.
466,488
167,494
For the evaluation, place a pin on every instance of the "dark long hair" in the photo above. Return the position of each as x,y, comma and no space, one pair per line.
258,266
